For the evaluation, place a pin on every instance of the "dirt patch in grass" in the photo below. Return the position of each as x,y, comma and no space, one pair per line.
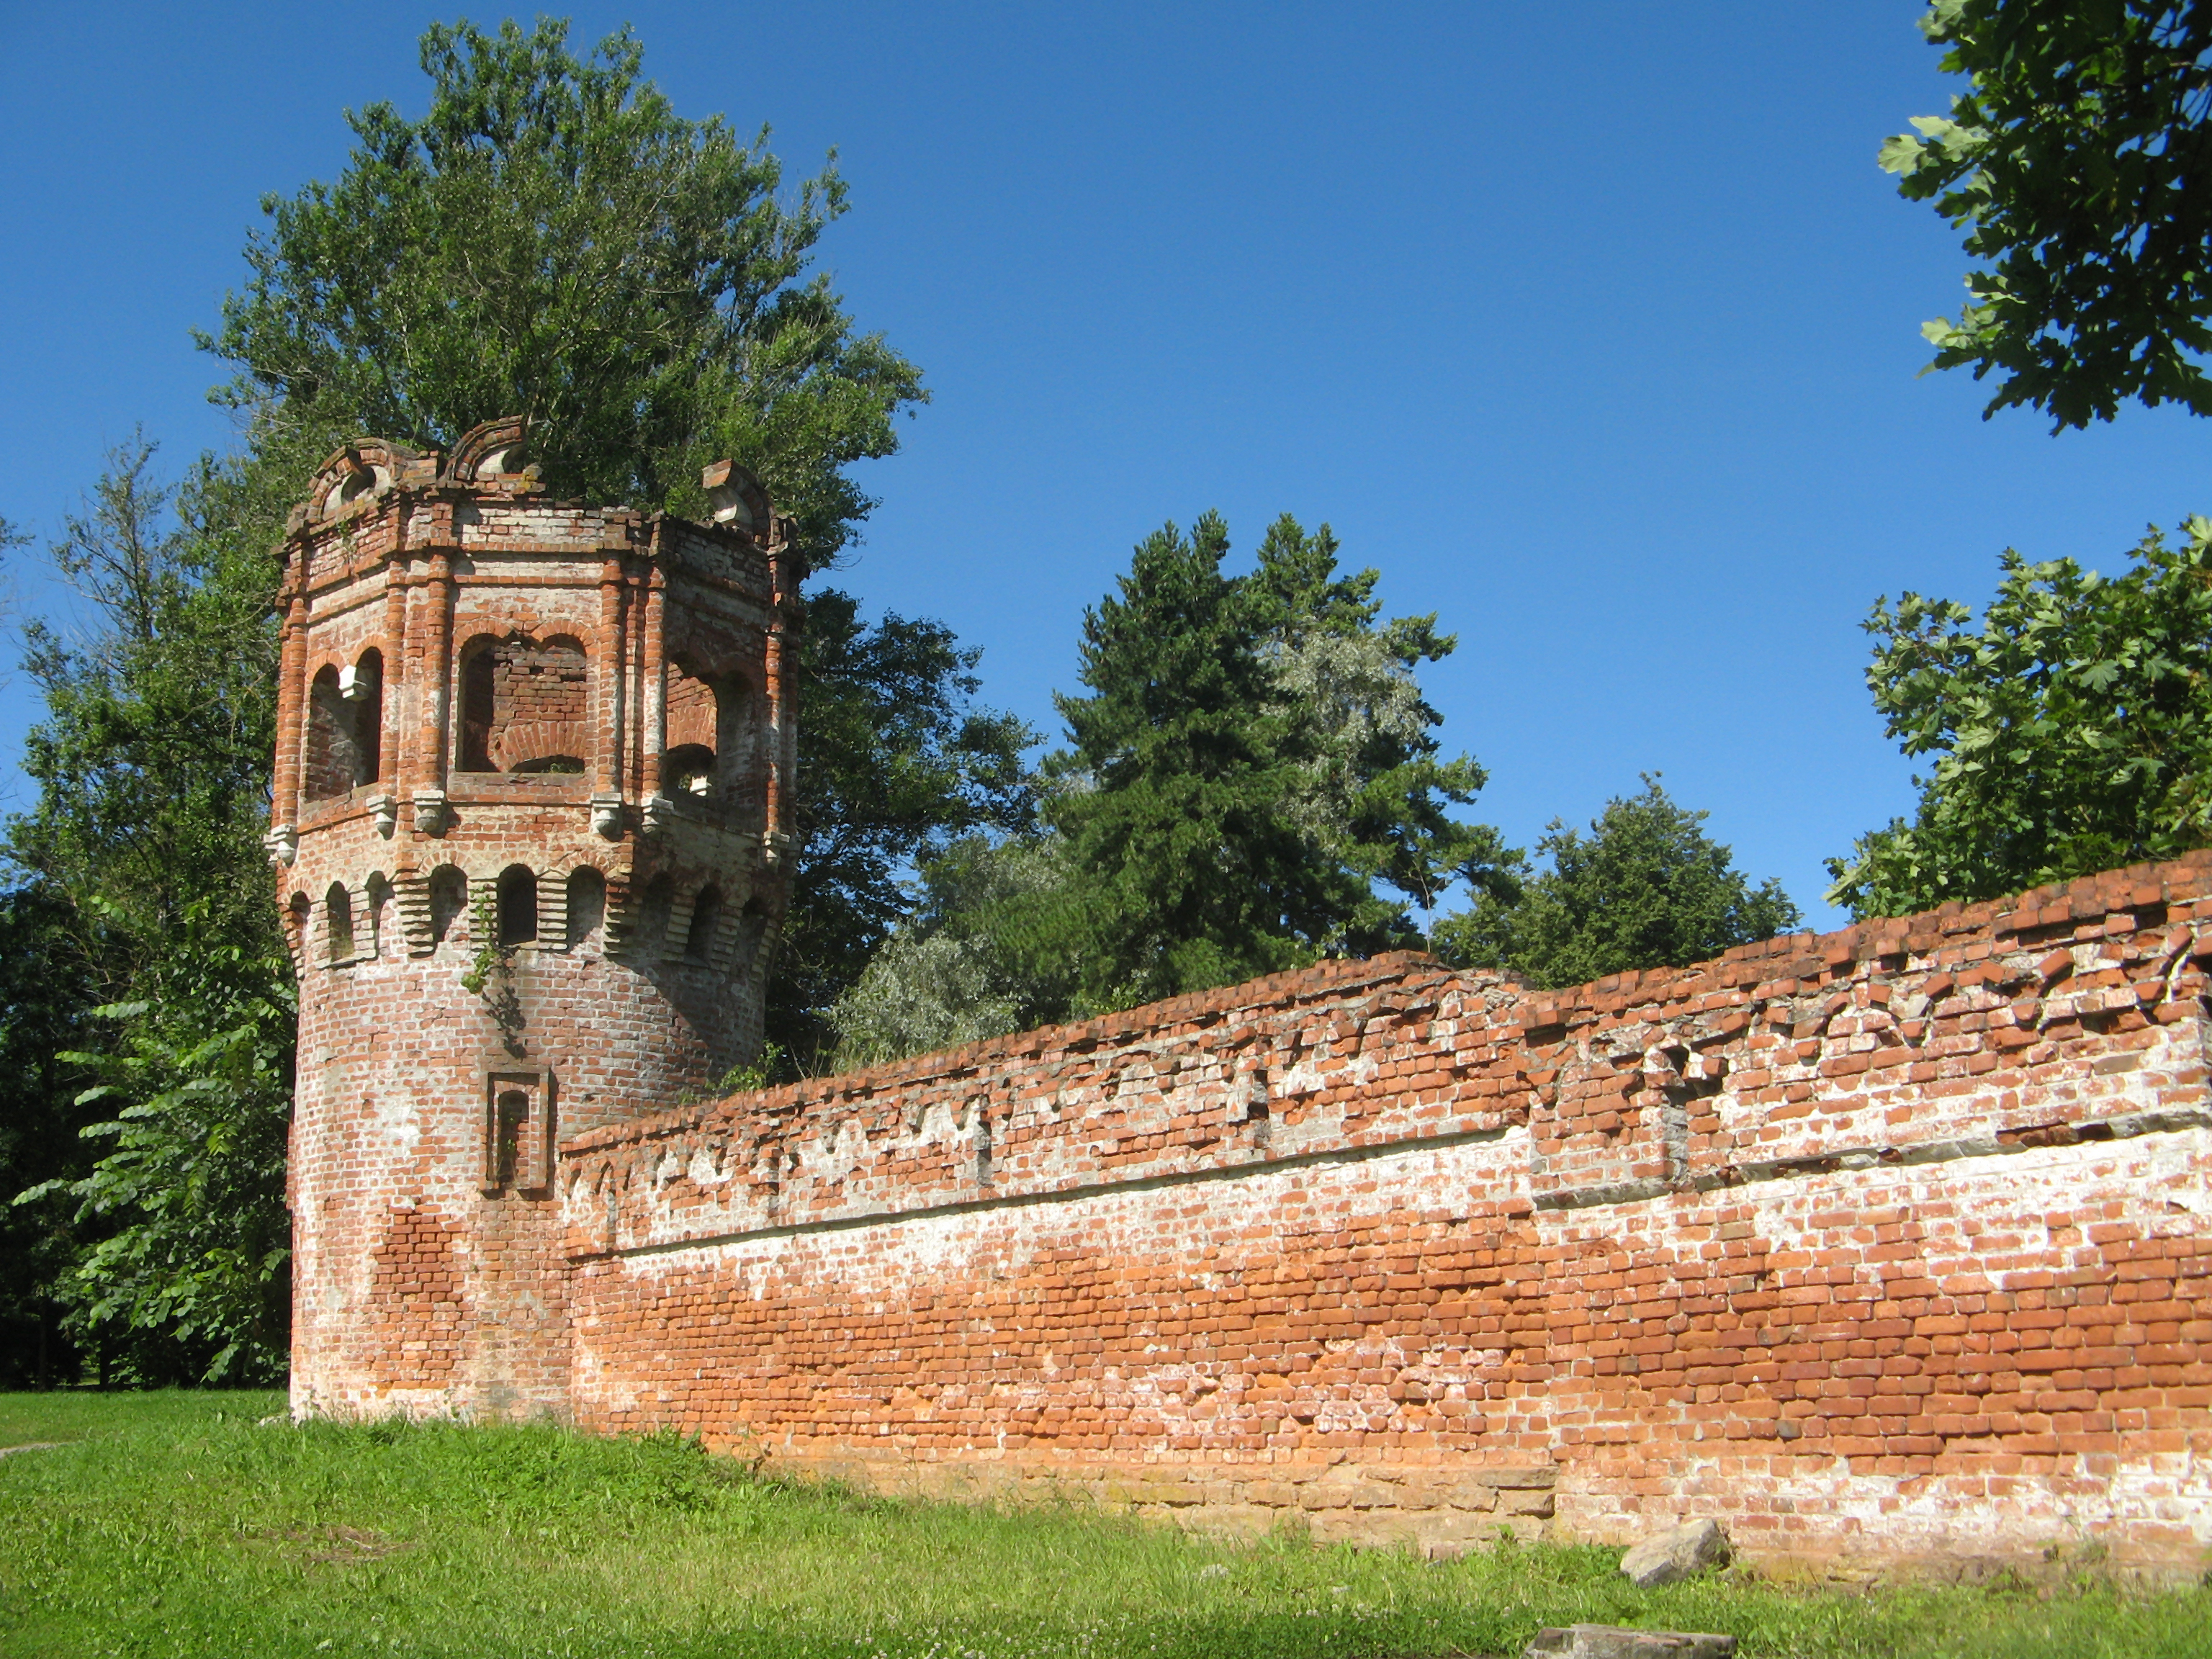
341,1546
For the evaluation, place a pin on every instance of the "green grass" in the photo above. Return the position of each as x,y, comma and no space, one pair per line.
173,1523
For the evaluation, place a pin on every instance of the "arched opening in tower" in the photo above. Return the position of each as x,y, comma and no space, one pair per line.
375,895
337,922
345,719
587,905
655,905
517,905
449,896
362,689
689,764
524,706
706,920
297,921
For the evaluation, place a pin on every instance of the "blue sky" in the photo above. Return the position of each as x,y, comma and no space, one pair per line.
1595,328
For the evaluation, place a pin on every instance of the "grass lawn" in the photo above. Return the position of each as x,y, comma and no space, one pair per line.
172,1523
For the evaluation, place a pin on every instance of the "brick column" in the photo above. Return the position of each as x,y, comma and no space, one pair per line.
434,683
607,647
778,694
634,667
781,666
291,693
656,677
393,769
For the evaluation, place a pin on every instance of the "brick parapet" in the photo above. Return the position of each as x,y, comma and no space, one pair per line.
1877,1042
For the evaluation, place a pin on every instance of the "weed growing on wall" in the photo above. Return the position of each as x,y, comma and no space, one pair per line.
490,975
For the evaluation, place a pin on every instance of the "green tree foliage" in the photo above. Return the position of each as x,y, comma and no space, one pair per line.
42,1002
1647,888
41,1016
551,239
1254,782
2071,729
186,1277
2074,163
1372,791
1178,793
955,970
1254,761
896,760
153,758
140,863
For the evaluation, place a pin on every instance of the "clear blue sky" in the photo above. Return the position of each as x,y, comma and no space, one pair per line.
1596,328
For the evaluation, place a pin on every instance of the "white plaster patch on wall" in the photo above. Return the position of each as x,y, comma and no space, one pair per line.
398,1119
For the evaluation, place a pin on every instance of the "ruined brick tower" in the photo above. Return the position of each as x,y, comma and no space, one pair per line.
530,831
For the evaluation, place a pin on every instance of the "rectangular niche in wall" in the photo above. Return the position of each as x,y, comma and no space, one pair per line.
517,1129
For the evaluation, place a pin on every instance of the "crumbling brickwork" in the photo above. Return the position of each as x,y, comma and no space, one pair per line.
1887,1244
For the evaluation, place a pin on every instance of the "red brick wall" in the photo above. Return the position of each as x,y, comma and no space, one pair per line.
1889,1243
414,1289
1892,1243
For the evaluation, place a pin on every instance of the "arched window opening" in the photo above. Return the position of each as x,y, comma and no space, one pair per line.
688,771
362,686
345,727
752,931
693,710
517,905
524,706
337,922
587,905
449,896
740,781
706,918
376,895
477,669
329,769
298,916
652,913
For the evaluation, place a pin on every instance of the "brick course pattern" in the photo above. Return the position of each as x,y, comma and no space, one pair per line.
1886,1245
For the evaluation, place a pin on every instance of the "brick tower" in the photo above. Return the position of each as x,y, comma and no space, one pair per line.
531,834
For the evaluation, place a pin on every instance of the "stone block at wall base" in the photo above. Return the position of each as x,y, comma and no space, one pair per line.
1617,1642
1679,1553
1442,1512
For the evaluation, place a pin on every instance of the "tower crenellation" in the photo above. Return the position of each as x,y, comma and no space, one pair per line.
531,835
